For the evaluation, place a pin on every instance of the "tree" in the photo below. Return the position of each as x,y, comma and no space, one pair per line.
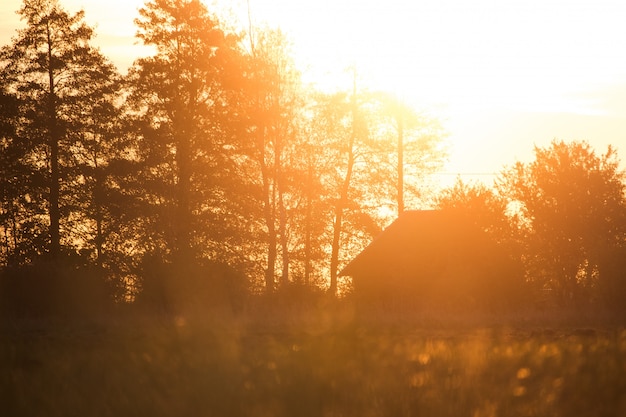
310,165
482,205
355,130
274,101
59,80
376,151
12,173
101,144
386,150
501,281
418,145
571,203
181,97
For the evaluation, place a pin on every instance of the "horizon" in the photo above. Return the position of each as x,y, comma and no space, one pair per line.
501,76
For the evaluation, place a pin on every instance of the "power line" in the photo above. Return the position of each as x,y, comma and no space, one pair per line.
491,174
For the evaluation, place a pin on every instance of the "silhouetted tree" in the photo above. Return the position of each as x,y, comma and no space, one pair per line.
270,76
62,83
571,203
180,95
310,162
13,174
276,125
418,148
381,148
354,131
483,205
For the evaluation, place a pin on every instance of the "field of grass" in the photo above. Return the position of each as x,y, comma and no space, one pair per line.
140,367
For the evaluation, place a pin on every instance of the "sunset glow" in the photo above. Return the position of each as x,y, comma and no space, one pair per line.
502,75
312,207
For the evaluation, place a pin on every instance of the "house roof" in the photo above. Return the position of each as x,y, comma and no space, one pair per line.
416,238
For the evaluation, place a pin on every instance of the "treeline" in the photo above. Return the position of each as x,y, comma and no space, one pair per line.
562,217
207,169
209,172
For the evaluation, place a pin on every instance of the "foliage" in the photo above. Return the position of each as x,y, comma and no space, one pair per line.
502,253
65,89
179,97
195,289
483,205
66,288
572,206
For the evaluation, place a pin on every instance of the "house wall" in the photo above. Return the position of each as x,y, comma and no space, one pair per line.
473,281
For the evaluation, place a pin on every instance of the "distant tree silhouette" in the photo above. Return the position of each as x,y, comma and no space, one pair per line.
275,100
354,132
485,208
572,208
483,205
419,149
382,152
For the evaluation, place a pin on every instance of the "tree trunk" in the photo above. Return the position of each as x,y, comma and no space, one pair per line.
183,214
400,163
268,211
337,227
343,199
98,202
308,219
284,277
55,177
282,212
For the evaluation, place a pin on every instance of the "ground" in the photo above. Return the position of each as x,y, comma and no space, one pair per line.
317,366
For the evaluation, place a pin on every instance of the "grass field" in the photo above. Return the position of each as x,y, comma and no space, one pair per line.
140,367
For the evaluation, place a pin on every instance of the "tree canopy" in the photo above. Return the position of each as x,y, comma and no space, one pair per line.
209,152
572,206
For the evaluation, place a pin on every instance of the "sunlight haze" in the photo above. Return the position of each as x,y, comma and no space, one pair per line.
501,75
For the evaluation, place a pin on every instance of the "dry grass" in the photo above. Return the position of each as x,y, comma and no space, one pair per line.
316,367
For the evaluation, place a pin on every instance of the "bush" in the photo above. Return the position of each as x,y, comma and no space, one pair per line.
63,288
190,288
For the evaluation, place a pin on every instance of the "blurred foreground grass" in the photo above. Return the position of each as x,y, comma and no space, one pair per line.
162,368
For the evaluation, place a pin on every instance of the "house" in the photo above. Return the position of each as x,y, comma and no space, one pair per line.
435,260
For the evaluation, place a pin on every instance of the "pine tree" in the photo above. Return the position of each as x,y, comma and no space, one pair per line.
180,94
60,81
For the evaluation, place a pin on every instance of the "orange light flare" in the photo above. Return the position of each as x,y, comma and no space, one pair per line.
502,75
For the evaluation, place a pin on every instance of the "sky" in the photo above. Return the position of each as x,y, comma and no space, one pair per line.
501,75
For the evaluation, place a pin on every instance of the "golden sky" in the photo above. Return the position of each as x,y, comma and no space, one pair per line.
502,74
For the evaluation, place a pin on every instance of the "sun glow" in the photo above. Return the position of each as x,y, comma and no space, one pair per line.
501,75
534,55
475,55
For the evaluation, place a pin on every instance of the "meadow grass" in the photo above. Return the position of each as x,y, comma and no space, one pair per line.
315,367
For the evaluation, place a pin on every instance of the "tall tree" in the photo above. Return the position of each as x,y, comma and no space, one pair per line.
418,146
385,150
56,75
310,163
99,146
181,95
275,101
355,130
